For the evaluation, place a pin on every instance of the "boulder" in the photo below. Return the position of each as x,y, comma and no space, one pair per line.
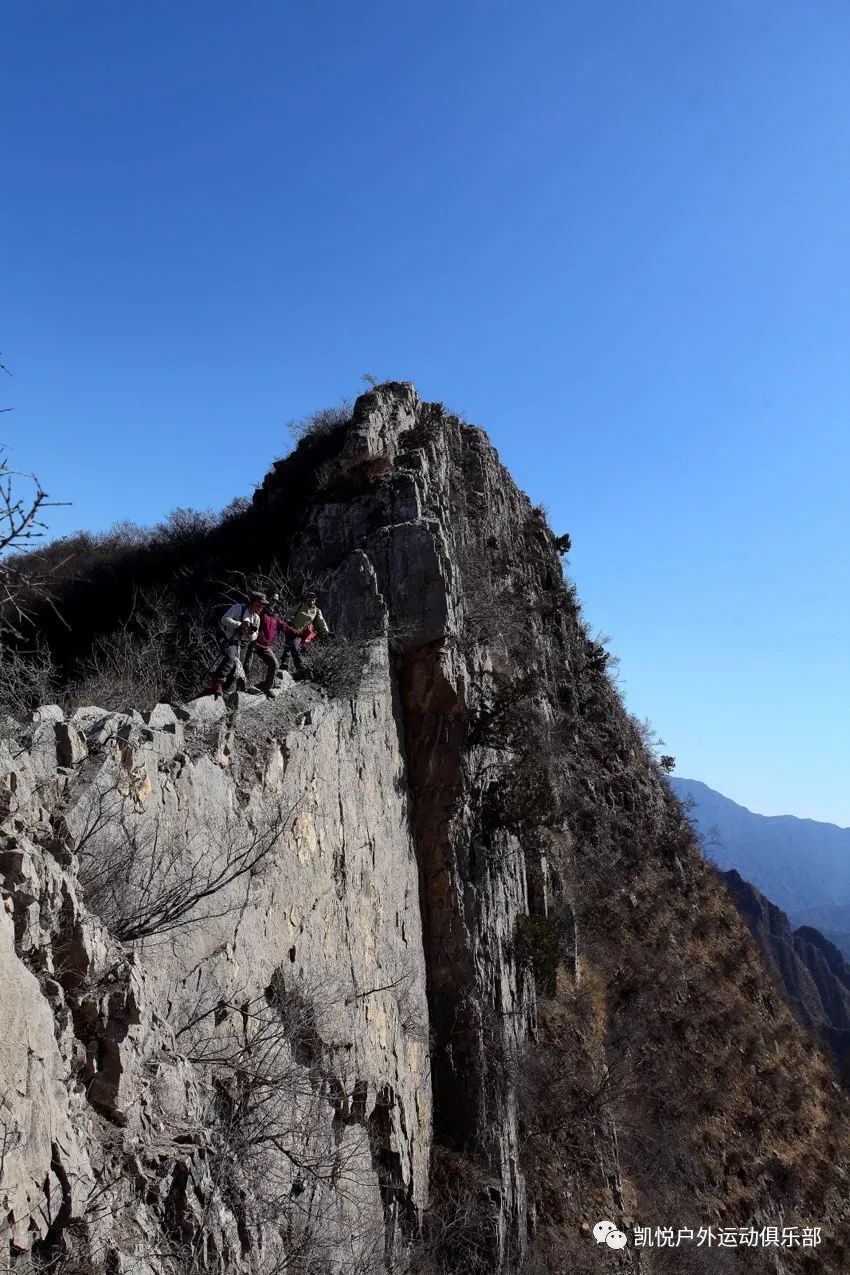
71,747
162,717
202,711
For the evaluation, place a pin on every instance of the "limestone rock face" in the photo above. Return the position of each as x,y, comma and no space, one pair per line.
109,1047
399,978
362,909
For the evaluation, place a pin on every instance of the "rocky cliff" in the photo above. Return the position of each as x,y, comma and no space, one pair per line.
426,975
810,971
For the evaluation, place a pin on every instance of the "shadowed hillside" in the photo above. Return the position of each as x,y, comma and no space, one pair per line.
810,971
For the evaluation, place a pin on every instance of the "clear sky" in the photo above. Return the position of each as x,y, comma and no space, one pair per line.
616,234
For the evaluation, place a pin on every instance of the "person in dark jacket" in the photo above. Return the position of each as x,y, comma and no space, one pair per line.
271,623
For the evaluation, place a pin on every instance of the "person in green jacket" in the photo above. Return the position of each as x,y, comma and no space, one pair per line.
303,624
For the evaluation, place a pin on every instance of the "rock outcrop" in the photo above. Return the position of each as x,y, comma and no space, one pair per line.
293,838
425,975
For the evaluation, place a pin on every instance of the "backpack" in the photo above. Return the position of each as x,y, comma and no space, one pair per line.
241,619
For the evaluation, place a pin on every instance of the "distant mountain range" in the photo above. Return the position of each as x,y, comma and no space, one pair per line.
783,872
802,865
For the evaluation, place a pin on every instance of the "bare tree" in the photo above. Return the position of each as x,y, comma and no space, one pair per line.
26,679
459,1227
158,654
149,876
23,582
283,1149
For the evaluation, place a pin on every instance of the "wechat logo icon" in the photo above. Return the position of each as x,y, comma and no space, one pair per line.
607,1233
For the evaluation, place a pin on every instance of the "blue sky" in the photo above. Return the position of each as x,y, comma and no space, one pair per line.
614,234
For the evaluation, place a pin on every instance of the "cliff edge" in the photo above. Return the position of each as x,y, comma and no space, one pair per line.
429,975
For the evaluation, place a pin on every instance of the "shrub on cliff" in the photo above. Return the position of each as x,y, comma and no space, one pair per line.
282,1147
322,424
146,877
537,946
459,1227
95,578
27,678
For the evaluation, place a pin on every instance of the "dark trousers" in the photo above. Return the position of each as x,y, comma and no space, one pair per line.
231,654
267,655
293,648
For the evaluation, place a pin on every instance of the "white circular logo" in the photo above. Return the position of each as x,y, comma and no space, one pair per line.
615,1239
602,1230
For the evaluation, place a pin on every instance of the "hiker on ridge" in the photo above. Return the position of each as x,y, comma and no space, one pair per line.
303,624
240,625
271,622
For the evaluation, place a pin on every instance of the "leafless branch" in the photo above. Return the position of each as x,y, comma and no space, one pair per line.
147,877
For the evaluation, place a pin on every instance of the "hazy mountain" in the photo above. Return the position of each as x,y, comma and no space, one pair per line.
801,864
833,921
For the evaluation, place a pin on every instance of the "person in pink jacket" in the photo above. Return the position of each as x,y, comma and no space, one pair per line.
271,623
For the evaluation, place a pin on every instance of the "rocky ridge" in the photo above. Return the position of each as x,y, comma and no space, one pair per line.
812,973
427,976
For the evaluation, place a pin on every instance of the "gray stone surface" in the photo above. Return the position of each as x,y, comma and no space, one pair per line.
71,745
332,912
162,717
202,710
